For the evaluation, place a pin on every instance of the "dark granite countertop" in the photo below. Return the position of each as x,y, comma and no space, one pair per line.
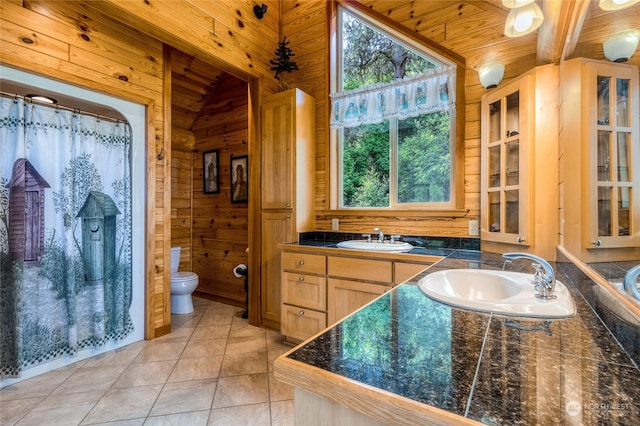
477,365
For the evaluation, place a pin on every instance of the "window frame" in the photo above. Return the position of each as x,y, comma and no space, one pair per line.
455,206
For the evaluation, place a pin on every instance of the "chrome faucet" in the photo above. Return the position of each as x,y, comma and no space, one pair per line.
629,283
545,282
380,234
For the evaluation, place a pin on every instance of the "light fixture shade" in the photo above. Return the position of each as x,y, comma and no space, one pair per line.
491,75
517,3
523,20
621,46
616,4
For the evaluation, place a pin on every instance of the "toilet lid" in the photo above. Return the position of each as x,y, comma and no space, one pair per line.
183,276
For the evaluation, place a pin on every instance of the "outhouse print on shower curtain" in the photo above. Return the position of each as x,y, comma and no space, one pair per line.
65,233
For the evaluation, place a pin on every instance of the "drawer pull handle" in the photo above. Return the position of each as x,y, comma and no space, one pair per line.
301,262
301,278
301,313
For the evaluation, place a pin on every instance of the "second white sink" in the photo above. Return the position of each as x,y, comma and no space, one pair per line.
396,247
500,292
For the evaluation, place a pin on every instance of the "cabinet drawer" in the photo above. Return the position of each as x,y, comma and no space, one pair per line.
362,269
307,291
304,262
300,323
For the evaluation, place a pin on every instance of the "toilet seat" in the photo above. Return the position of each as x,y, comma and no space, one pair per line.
182,276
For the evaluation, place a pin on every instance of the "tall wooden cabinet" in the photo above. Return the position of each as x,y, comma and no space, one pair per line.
518,166
600,160
287,187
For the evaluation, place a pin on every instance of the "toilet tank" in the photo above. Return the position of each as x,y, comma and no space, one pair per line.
175,259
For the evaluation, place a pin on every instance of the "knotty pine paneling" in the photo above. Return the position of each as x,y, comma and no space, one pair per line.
218,227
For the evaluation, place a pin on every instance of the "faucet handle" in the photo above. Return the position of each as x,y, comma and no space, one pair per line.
537,275
394,238
367,236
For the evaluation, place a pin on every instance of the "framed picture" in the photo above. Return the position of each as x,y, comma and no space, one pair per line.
239,173
210,181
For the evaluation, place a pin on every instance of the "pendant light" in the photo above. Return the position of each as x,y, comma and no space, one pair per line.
621,46
491,75
615,4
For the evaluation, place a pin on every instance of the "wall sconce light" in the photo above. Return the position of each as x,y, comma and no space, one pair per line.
491,75
523,20
621,46
616,4
259,11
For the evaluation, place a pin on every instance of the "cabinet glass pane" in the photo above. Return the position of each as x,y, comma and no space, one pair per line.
604,158
603,100
604,211
495,131
513,114
624,211
513,162
624,157
494,166
494,211
622,102
512,212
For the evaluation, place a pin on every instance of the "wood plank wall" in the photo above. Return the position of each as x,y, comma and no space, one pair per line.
306,25
220,227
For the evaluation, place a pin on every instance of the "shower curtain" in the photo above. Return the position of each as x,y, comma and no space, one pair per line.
65,233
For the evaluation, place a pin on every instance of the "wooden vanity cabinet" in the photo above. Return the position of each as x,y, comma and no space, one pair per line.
287,187
319,290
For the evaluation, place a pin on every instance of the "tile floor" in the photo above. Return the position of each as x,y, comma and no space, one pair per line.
213,369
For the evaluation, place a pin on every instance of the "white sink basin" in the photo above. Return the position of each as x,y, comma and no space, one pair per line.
500,292
397,247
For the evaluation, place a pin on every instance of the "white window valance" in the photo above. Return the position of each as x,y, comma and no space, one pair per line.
424,93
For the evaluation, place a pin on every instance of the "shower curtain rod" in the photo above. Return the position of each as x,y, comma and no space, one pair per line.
66,108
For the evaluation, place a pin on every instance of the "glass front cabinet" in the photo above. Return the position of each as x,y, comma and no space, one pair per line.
504,163
602,130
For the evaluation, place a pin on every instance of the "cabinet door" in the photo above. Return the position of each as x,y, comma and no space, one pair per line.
345,297
277,227
504,179
277,152
613,194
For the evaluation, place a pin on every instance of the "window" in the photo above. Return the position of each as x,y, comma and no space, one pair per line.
393,117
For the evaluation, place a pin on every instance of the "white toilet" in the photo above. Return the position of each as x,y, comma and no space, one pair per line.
182,285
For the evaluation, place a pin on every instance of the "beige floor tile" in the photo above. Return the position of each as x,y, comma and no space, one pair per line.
239,345
241,390
282,413
90,379
194,418
120,356
213,319
254,415
129,422
279,391
124,404
149,373
178,334
41,385
61,410
245,330
245,363
180,397
275,341
161,351
196,369
205,347
11,412
211,332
